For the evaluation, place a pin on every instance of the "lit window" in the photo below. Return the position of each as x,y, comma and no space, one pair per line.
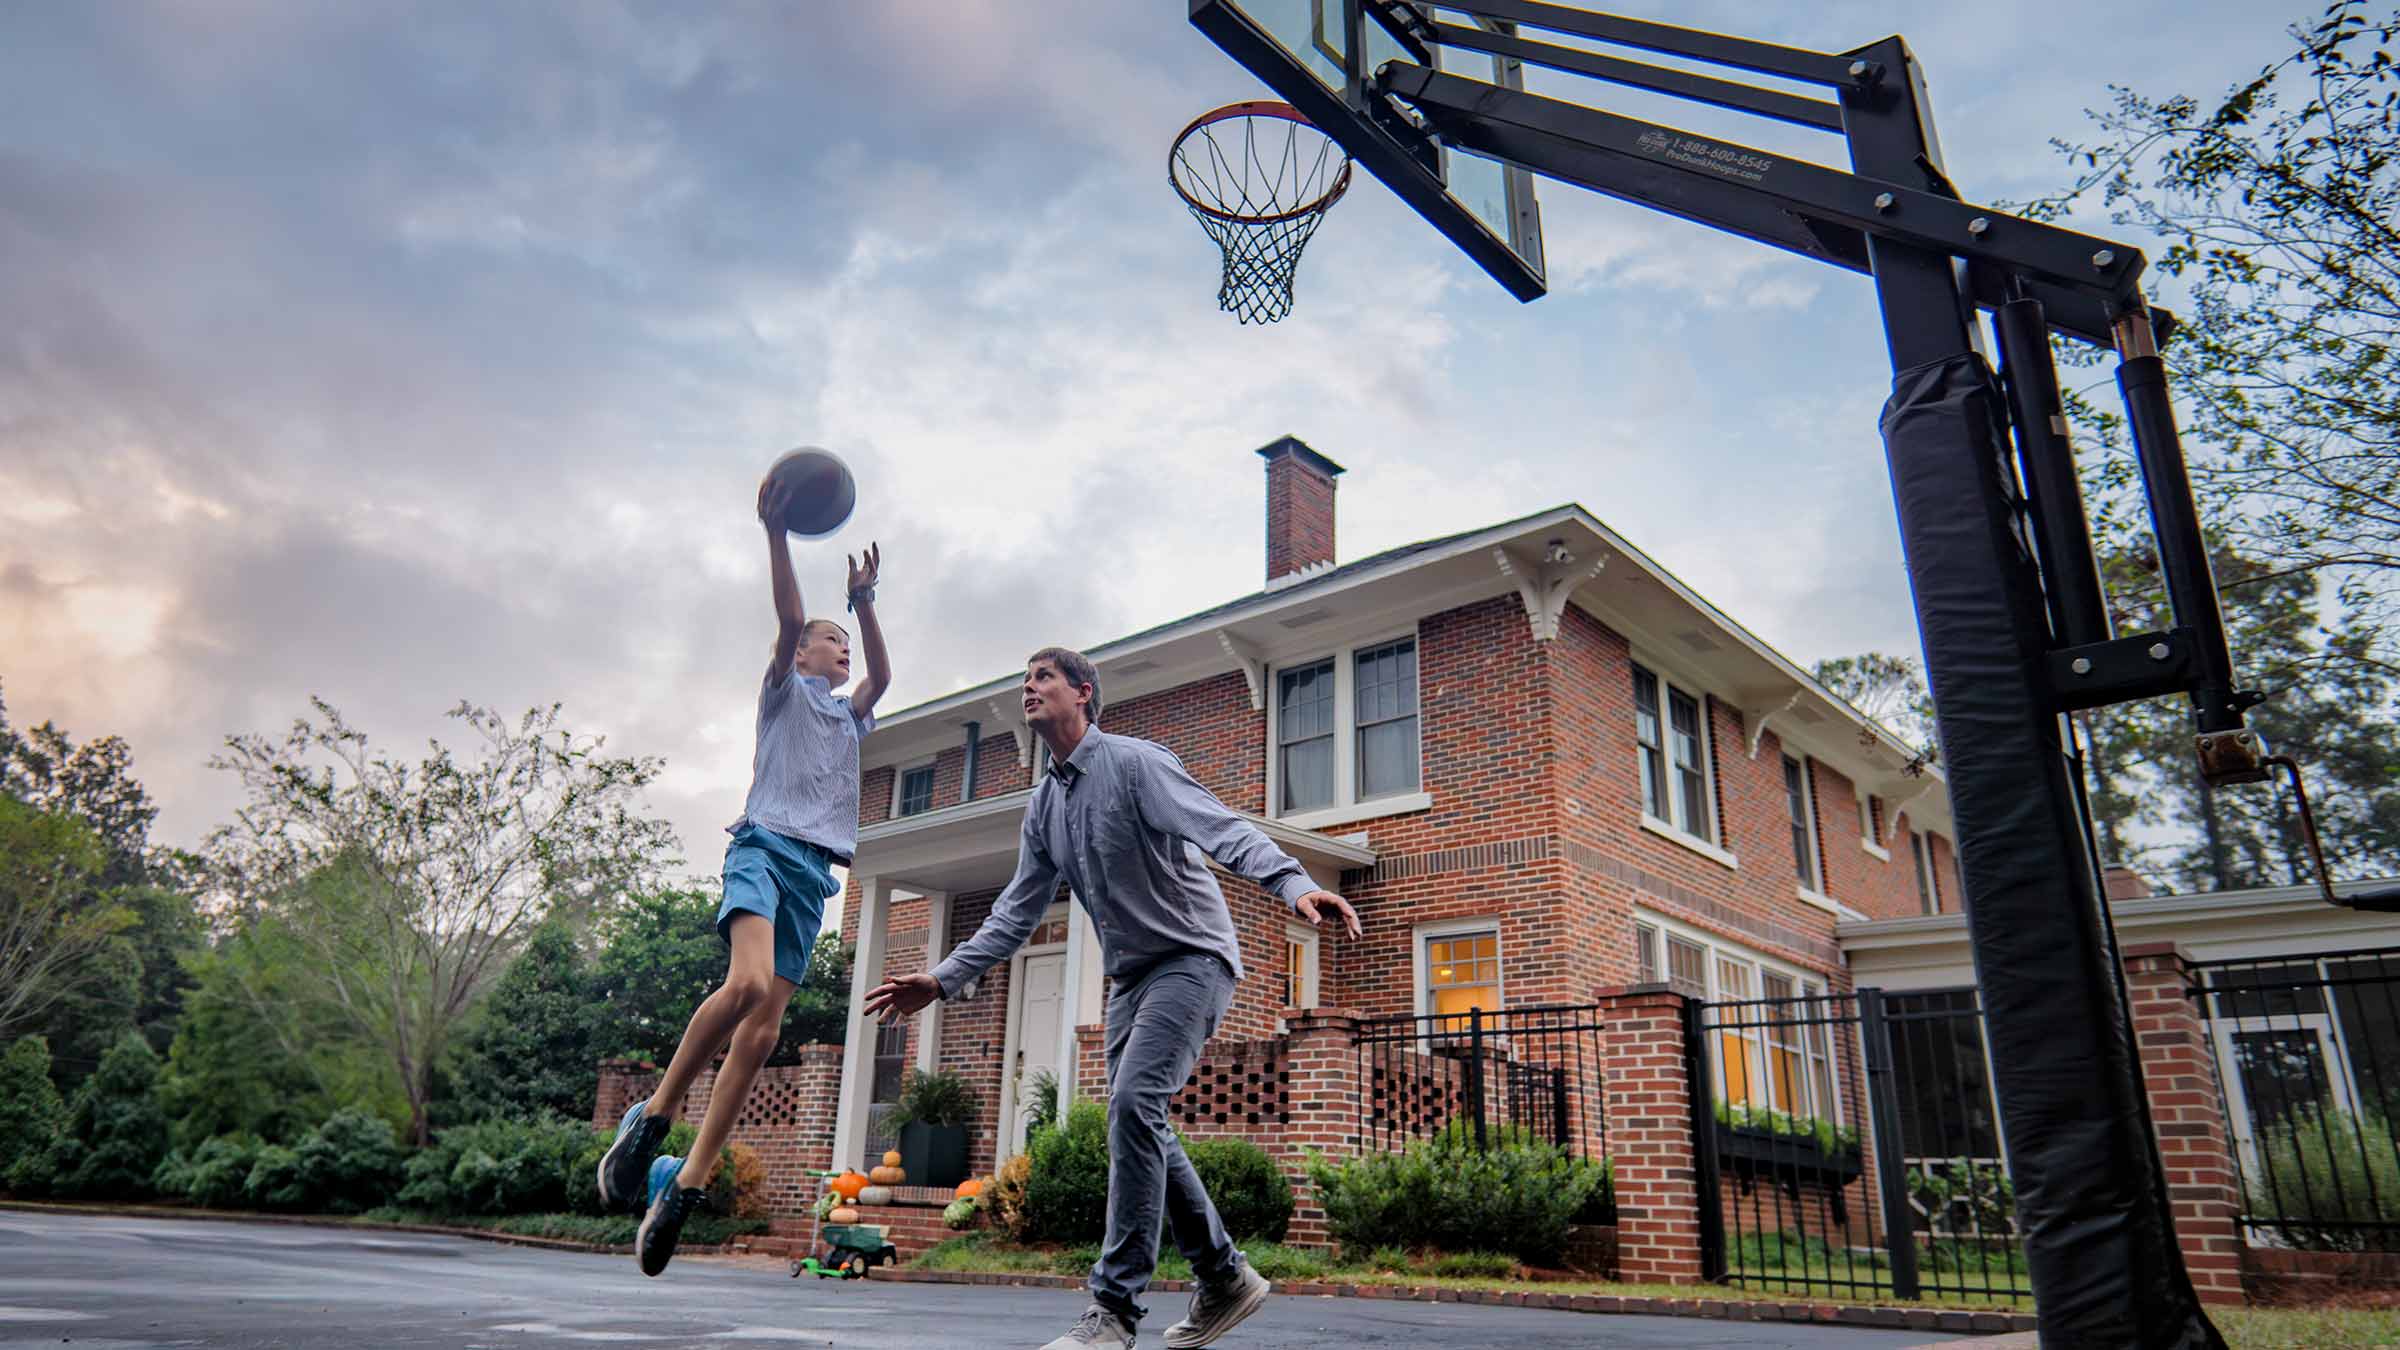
1299,968
916,790
1462,973
1768,1025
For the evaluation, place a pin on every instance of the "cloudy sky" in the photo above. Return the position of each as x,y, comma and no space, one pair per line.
401,354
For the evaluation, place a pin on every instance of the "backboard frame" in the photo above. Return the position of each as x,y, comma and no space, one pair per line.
1409,161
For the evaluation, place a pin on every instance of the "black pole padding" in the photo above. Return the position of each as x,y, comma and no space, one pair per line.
2070,576
2182,550
2100,1245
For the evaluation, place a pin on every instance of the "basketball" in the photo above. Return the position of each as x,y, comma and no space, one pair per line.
822,491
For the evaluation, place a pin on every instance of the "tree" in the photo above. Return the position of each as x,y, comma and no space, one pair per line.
257,1054
413,885
115,1134
31,1110
138,978
56,920
531,1046
1889,691
661,955
2280,208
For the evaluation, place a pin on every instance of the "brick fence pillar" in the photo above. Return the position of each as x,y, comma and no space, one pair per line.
1649,1096
622,1083
2179,1068
1321,1106
820,1074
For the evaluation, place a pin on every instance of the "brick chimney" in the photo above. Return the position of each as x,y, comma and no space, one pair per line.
2120,882
1299,507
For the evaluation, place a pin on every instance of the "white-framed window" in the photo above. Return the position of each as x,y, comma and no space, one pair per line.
1458,969
913,793
1673,757
1776,1052
1344,735
1870,824
1808,851
1929,884
1299,966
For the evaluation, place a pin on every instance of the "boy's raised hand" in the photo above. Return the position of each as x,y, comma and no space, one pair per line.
903,996
864,568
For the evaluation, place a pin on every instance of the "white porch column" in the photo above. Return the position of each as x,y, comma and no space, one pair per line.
1082,947
937,946
858,1048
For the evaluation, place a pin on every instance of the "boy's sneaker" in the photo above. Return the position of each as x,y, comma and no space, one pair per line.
1217,1309
670,1205
628,1158
1097,1326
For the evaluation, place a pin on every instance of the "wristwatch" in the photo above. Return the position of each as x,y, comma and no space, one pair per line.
866,593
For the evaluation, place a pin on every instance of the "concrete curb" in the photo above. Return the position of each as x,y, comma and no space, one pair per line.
335,1221
1722,1309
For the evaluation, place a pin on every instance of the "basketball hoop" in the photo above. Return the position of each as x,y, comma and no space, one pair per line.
1259,178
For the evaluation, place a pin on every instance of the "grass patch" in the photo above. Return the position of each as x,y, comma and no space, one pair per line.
2314,1328
989,1252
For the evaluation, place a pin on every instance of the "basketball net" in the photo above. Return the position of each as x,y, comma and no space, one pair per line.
1259,178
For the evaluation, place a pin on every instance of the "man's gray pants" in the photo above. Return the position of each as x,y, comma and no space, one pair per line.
1157,1022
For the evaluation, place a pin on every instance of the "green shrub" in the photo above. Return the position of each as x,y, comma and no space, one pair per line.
1830,1138
1515,1197
276,1181
115,1134
2325,1176
219,1172
31,1111
351,1162
502,1166
942,1098
583,1185
1040,1102
1066,1184
1251,1193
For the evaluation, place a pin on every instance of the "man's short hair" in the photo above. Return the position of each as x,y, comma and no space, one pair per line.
1077,668
809,629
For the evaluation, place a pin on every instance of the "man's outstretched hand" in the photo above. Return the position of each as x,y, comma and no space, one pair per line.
1309,904
903,996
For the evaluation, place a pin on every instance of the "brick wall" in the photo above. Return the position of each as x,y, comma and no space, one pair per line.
2179,1070
787,1121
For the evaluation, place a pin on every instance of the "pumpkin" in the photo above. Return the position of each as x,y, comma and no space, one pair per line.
843,1214
888,1175
875,1195
848,1185
968,1189
891,1157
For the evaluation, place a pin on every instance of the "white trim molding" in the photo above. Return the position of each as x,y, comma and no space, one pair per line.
1545,586
1254,667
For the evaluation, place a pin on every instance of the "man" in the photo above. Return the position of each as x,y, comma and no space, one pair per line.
1125,825
799,822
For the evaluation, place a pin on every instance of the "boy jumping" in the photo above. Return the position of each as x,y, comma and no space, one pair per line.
801,819
1122,821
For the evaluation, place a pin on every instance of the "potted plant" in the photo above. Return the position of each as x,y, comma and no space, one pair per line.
932,1115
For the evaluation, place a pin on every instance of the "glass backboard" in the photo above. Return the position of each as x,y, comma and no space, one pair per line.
1303,50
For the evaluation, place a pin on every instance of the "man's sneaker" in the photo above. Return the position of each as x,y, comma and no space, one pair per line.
670,1205
1097,1326
628,1158
1217,1309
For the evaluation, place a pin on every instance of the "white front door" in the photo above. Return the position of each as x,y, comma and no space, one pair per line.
1042,991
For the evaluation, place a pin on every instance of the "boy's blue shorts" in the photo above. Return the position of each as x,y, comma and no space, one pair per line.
784,880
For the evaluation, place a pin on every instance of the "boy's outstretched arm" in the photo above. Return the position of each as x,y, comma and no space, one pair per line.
863,571
791,618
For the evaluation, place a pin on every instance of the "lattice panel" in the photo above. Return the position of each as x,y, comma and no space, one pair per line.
1247,1083
1415,1094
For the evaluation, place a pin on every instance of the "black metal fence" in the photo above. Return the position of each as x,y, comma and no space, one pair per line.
1848,1146
1486,1078
2308,1070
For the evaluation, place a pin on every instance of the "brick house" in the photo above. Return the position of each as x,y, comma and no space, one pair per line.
1535,761
1548,773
